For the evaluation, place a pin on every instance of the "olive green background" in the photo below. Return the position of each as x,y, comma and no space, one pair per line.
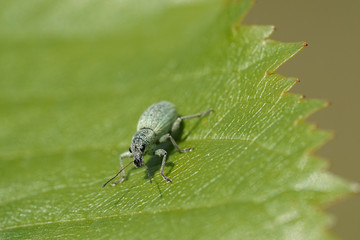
328,69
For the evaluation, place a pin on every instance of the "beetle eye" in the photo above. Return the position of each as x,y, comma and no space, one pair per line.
130,149
142,148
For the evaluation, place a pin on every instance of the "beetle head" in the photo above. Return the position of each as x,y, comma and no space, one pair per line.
137,148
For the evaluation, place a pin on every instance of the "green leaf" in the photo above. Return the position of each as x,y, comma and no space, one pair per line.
75,77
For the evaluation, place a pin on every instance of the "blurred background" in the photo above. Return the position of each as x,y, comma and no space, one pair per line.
327,69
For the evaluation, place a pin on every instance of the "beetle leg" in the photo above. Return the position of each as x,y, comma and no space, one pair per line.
162,153
168,136
123,155
177,122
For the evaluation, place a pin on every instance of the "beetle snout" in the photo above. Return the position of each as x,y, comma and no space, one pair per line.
138,160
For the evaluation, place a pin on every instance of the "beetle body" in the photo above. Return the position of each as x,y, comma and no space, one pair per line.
156,125
156,121
159,117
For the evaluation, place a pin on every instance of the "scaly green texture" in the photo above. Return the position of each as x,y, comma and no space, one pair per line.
75,77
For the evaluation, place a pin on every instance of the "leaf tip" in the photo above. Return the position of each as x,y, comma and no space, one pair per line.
314,127
272,30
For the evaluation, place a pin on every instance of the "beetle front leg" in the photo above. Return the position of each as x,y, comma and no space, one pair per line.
123,175
162,153
168,136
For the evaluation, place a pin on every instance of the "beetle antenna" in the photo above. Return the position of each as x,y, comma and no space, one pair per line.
116,174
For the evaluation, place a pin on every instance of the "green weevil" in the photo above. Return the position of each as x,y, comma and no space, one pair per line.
156,125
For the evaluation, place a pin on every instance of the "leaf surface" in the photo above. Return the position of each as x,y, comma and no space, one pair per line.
75,77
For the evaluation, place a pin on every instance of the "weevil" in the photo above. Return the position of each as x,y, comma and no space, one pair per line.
156,125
